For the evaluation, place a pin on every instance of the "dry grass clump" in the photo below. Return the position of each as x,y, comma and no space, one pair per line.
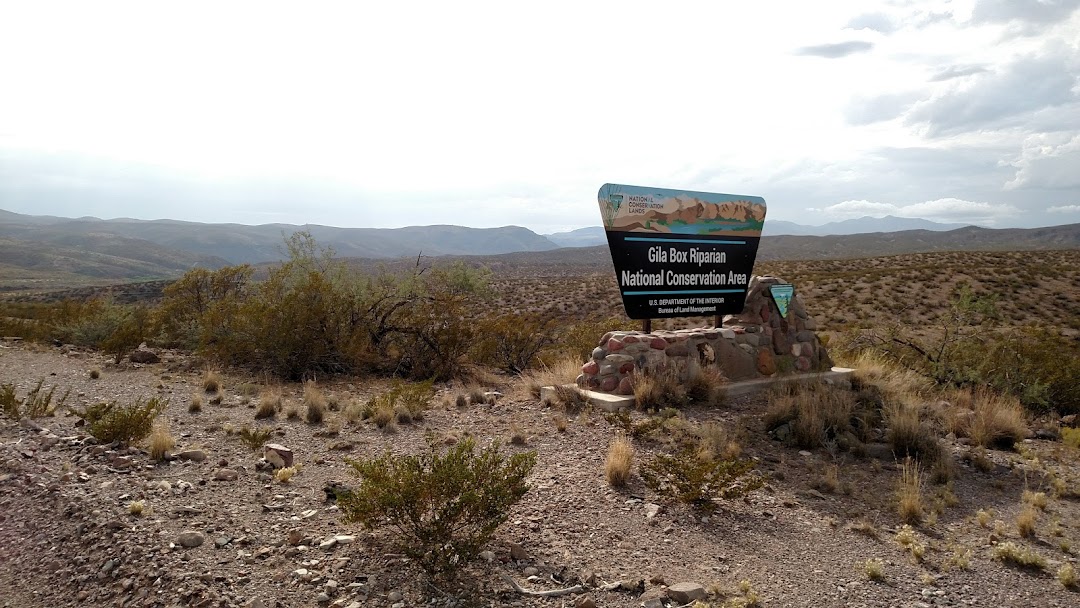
895,382
659,390
815,413
461,401
283,475
292,412
517,435
874,569
1071,437
570,399
211,381
864,527
911,433
907,539
137,508
997,421
383,417
95,374
560,422
1017,555
704,386
909,493
1066,575
270,402
1035,499
984,517
195,406
620,457
315,402
1026,520
563,370
161,441
715,443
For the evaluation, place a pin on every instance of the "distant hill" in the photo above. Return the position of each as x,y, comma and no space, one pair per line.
238,243
582,237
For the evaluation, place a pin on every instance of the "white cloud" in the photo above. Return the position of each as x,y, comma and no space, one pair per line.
1064,209
946,210
1048,160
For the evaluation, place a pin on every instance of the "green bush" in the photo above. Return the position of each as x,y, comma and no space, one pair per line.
126,424
512,341
690,476
443,507
36,404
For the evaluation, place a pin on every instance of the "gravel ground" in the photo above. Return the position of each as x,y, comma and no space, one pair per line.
67,537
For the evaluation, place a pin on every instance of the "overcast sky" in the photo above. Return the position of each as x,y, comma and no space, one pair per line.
489,114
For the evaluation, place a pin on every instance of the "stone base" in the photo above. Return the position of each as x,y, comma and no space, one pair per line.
613,403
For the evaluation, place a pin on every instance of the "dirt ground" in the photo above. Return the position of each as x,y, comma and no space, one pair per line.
67,537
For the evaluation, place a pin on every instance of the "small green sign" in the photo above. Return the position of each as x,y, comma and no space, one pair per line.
782,294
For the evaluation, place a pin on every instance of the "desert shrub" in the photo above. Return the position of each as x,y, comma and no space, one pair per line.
194,307
697,481
444,507
659,390
1018,555
1071,436
405,401
512,341
255,438
704,386
109,422
815,413
577,340
1066,575
1038,366
619,458
874,569
37,403
911,434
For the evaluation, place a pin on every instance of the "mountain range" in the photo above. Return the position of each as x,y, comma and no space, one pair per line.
43,252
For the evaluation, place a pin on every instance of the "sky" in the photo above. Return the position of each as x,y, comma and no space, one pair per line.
485,114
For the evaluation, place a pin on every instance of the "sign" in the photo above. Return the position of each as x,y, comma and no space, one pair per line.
782,294
680,253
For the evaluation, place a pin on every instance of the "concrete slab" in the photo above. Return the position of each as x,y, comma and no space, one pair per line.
613,403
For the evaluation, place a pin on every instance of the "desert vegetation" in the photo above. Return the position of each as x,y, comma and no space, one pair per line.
411,394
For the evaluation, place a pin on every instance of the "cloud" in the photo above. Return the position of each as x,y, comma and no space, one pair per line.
836,50
957,71
1002,99
1027,11
877,22
947,210
1048,161
1064,209
865,111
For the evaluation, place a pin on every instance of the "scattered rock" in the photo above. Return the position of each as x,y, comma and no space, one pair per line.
518,553
685,593
190,539
192,455
143,355
584,601
278,455
226,475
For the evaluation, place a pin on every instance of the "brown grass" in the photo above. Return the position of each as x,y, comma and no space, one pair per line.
211,381
997,420
560,422
315,402
161,441
619,459
1026,521
269,404
816,412
563,370
910,504
195,406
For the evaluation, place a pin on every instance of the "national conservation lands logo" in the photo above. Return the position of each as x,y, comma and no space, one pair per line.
681,253
782,294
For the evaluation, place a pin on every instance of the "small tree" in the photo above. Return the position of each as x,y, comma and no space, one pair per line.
443,507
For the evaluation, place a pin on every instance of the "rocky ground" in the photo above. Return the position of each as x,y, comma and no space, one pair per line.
219,532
